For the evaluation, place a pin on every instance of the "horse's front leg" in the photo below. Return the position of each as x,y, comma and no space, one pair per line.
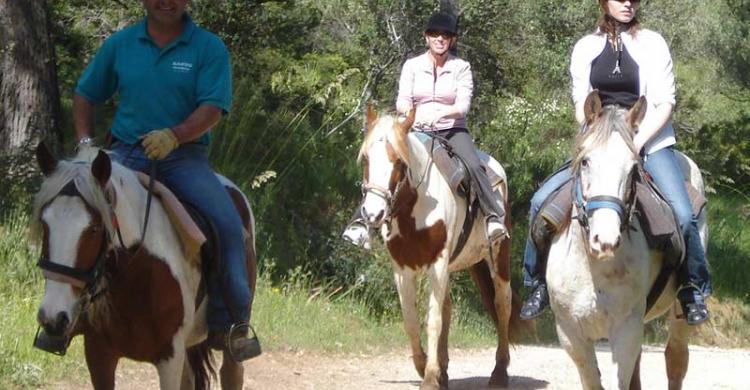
101,362
581,351
170,369
626,338
407,291
436,374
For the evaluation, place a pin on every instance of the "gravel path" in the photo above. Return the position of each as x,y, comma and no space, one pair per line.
532,367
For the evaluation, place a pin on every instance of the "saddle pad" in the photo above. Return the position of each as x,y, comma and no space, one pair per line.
191,236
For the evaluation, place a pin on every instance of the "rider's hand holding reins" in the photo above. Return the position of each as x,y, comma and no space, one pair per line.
159,143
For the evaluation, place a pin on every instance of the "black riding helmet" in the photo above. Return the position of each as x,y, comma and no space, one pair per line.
442,21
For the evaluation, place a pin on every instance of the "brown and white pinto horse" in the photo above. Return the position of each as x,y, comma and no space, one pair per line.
421,220
128,298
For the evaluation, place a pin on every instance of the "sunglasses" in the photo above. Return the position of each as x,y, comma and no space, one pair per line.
436,33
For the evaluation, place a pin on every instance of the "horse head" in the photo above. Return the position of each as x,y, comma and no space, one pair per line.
385,157
74,211
604,165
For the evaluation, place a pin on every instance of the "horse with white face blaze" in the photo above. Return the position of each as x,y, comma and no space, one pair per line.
421,220
128,298
600,268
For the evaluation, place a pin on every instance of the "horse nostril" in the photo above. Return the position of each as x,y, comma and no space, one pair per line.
58,326
380,215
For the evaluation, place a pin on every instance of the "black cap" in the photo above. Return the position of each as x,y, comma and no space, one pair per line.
442,21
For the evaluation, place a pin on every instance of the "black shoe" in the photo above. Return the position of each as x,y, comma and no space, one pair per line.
693,306
236,342
536,303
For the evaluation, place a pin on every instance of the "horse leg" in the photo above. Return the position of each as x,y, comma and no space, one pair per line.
503,296
443,341
438,274
407,294
635,379
231,373
676,353
626,339
101,361
188,377
581,351
170,370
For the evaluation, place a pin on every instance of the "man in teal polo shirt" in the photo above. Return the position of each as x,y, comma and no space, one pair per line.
173,82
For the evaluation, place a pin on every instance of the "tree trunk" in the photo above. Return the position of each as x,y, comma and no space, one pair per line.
29,97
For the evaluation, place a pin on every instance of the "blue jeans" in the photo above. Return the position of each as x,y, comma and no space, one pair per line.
533,267
666,173
187,173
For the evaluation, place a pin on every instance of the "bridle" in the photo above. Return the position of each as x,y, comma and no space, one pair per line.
391,197
585,206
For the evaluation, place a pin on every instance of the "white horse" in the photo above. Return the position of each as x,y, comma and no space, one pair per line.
599,273
421,221
128,298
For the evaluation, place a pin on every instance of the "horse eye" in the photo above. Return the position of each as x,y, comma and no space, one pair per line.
585,162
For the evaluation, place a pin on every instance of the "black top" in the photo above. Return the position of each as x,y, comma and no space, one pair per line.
615,74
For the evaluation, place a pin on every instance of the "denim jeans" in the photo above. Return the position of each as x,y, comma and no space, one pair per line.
666,173
187,173
533,267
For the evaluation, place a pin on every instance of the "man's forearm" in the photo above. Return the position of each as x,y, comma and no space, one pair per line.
200,121
82,113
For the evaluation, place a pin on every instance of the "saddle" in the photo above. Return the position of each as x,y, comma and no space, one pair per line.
453,169
456,174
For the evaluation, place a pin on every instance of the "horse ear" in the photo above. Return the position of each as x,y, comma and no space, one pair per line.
592,107
47,162
101,168
372,116
636,114
409,121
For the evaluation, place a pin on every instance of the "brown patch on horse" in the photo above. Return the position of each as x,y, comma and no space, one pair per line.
411,247
145,309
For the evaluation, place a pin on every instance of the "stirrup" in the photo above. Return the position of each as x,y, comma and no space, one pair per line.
694,308
499,234
238,333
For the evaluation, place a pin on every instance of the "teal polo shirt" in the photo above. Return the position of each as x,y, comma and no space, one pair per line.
158,88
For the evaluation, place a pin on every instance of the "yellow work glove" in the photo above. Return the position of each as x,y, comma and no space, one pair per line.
159,143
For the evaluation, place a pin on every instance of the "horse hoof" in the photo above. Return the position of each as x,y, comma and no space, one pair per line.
498,380
431,386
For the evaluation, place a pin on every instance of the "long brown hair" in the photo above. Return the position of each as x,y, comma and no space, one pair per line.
608,25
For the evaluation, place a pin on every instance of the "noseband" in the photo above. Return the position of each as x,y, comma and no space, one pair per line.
587,206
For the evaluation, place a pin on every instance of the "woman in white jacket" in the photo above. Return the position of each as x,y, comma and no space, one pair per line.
624,61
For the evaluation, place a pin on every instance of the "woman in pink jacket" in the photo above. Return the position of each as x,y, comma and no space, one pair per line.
439,85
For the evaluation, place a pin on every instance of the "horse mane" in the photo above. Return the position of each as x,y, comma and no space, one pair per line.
387,127
613,119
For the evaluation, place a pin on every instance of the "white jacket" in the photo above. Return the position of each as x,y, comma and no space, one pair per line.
651,53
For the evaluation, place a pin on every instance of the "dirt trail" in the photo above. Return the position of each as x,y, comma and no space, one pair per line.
532,367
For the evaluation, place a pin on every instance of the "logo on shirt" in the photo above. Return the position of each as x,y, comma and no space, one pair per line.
182,67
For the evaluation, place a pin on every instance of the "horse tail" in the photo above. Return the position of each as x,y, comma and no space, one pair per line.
202,363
